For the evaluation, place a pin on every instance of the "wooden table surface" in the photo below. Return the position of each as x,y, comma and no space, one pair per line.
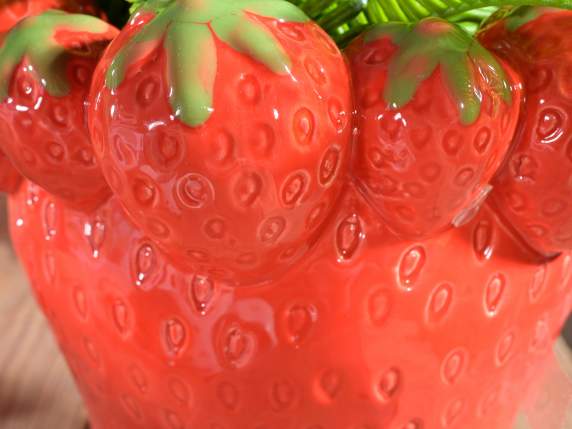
36,388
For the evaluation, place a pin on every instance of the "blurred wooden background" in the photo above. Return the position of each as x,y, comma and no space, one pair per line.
36,388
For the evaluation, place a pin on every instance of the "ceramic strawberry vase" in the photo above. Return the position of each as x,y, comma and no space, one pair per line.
230,224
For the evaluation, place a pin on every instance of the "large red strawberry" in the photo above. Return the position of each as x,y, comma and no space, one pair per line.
436,114
444,333
223,126
46,63
10,14
534,190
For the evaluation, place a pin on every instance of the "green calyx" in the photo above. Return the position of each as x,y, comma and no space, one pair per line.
187,29
521,16
433,43
34,38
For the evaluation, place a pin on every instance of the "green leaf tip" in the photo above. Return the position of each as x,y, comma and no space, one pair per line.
433,43
187,30
34,38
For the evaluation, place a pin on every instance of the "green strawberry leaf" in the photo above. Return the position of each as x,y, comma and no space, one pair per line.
34,39
188,29
252,38
192,59
433,43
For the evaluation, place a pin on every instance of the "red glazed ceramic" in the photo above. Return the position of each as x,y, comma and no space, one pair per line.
10,14
249,265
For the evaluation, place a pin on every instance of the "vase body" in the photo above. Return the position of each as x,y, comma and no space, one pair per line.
369,331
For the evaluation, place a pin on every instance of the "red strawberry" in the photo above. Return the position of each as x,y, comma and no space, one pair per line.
10,14
368,331
534,190
9,176
436,116
224,131
46,63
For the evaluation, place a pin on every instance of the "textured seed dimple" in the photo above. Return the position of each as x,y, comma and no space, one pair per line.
452,412
195,191
172,420
523,167
452,142
147,91
412,189
439,303
81,74
132,407
202,290
329,166
494,293
537,284
483,240
414,424
550,125
144,192
430,172
145,262
385,185
59,115
504,348
26,88
464,176
95,233
538,79
338,116
91,350
120,316
304,125
138,379
515,201
50,220
238,347
299,322
249,89
330,383
420,137
85,156
174,337
215,229
248,189
295,188
263,140
453,366
540,336
411,266
271,229
348,237
166,151
378,306
282,395
228,396
482,140
388,385
158,228
315,215
553,207
56,151
80,302
315,70
564,82
179,391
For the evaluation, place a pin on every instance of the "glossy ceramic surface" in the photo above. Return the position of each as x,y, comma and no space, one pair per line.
237,274
369,331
